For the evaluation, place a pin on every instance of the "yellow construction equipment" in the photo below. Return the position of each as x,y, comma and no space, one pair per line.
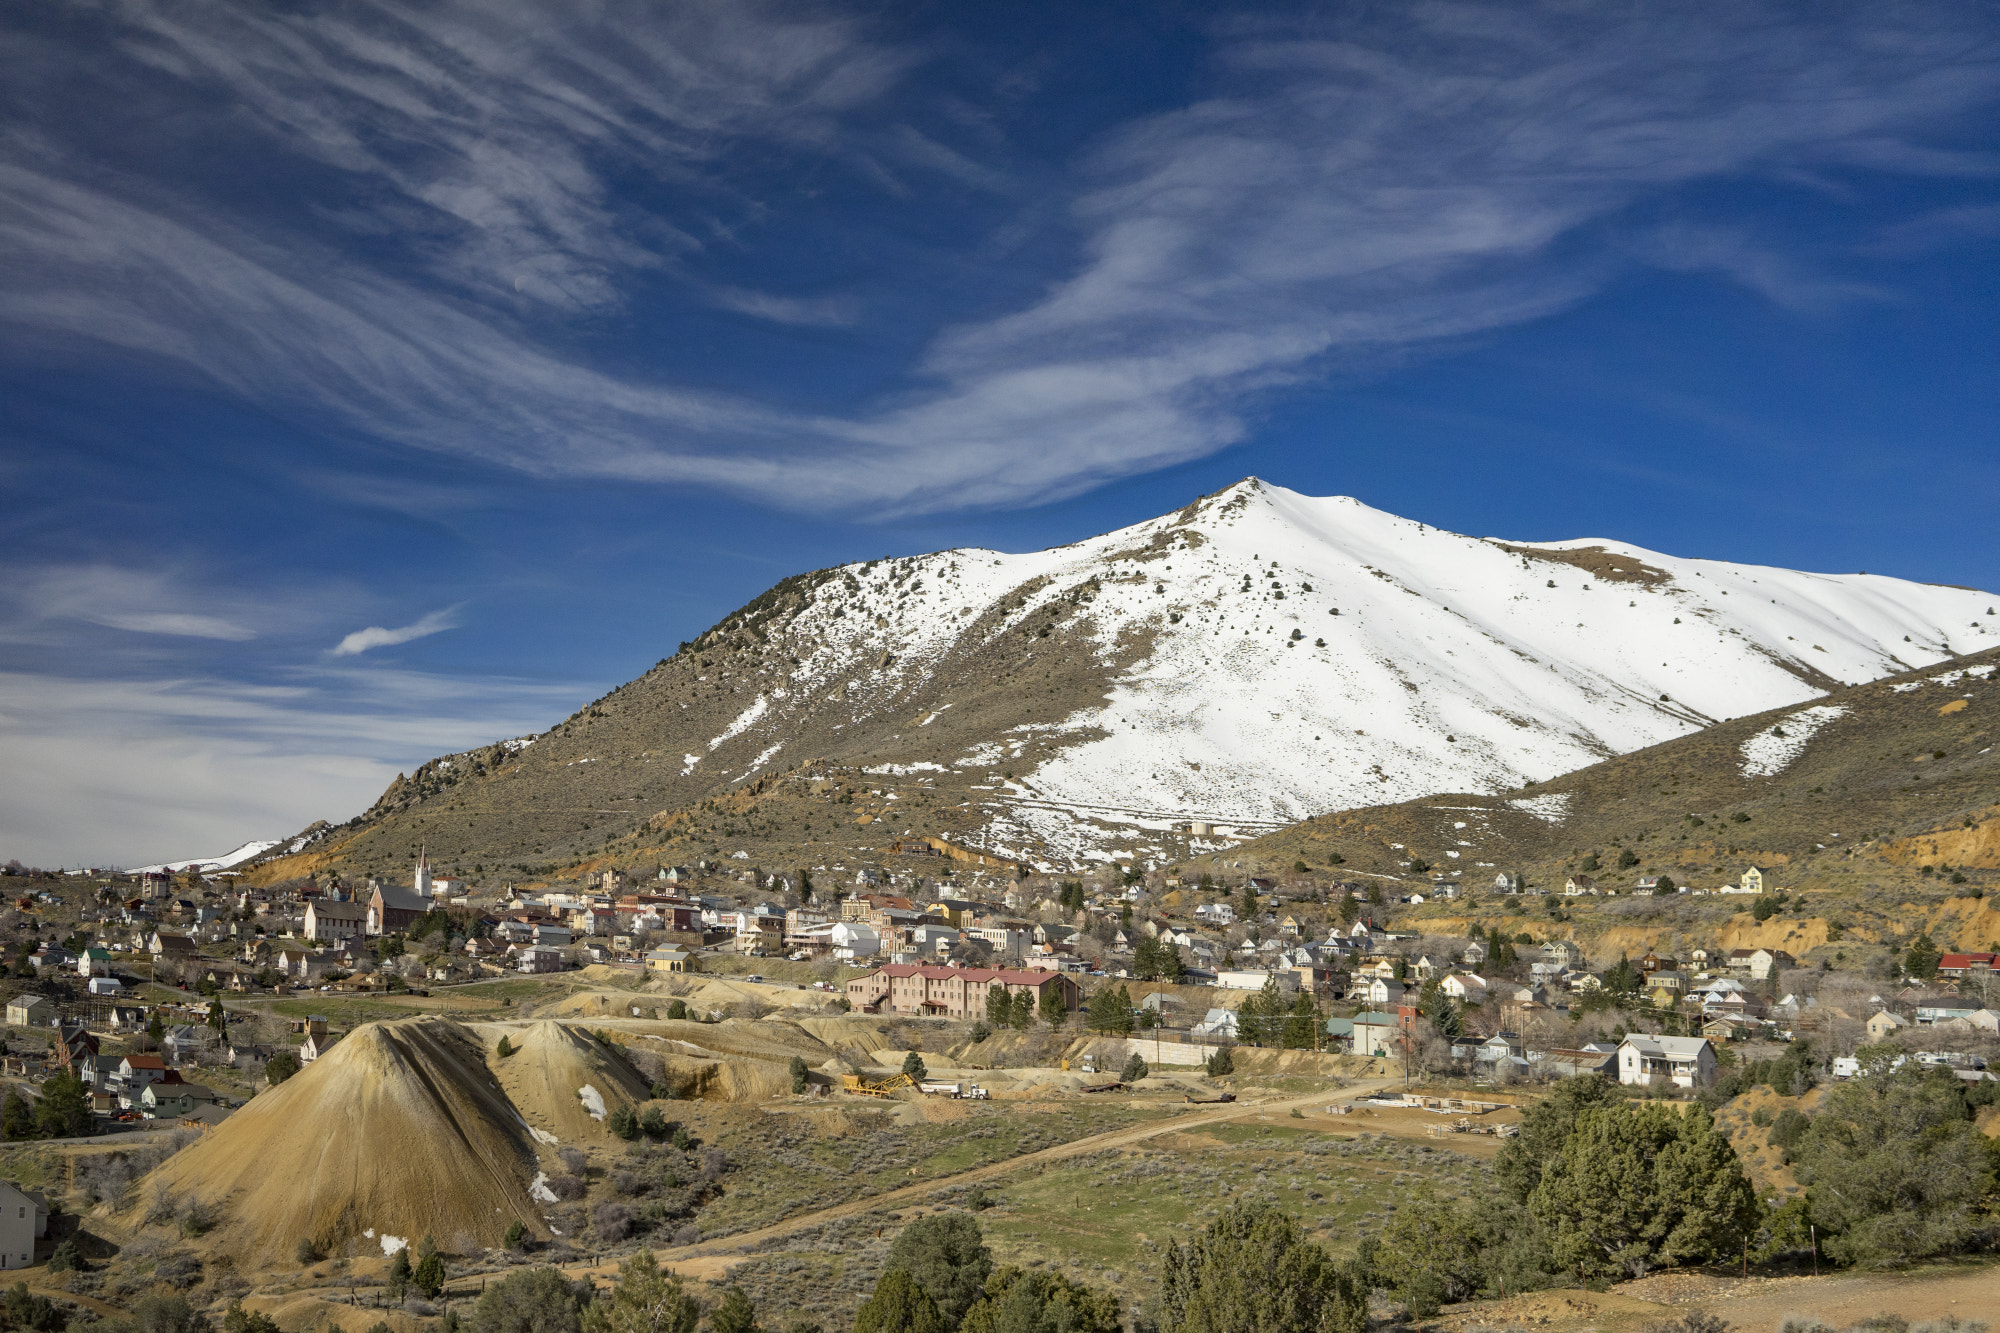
868,1088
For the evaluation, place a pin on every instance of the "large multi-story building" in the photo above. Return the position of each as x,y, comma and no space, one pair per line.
952,992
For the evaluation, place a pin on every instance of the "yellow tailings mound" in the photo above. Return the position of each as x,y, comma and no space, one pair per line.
398,1130
547,1075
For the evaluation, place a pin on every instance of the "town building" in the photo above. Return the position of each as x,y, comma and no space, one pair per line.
1683,1062
328,921
953,992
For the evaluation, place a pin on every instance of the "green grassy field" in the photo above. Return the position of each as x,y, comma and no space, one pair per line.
1106,1219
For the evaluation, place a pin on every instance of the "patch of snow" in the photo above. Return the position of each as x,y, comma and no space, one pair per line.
543,1136
907,770
1553,807
744,721
391,1244
593,1101
540,1191
248,851
689,761
1775,748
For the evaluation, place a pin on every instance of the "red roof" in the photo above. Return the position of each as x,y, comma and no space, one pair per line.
1012,976
145,1062
1966,960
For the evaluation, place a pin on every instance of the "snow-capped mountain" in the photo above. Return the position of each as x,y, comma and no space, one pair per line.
249,851
1255,658
1270,655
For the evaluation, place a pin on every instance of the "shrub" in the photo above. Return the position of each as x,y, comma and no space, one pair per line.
517,1236
653,1124
1135,1069
612,1222
280,1067
800,1073
307,1252
532,1300
623,1122
505,1048
67,1258
1220,1064
566,1187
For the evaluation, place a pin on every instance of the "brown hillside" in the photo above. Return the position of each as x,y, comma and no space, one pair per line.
1897,784
399,1130
551,1066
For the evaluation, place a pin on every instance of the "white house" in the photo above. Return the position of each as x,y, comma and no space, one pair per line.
854,939
24,1218
1464,987
1381,992
1685,1062
330,921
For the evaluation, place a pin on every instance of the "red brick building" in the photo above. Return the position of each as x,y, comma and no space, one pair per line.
952,992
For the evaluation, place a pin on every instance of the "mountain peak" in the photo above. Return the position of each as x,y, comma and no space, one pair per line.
1254,658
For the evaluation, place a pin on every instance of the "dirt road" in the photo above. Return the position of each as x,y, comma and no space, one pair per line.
710,1258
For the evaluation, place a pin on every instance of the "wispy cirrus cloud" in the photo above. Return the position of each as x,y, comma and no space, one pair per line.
150,602
1362,186
375,636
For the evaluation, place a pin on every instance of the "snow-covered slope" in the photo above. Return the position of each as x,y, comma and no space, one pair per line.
247,852
1258,657
1280,655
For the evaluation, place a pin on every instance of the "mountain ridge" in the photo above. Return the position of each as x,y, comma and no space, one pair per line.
1253,658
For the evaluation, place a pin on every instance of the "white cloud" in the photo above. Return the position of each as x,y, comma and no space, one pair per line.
136,601
128,771
377,637
1384,182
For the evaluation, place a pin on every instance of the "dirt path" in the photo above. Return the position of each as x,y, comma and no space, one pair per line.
710,1258
1752,1304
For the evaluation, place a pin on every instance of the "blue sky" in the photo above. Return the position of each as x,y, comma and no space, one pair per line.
383,379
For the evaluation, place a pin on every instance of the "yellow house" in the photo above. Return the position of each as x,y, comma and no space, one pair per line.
669,960
1753,880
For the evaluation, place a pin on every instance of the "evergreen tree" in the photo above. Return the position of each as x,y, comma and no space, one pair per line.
1055,1012
280,1067
17,1121
1441,1011
899,1305
1921,959
913,1065
1894,1167
1253,1271
399,1274
946,1256
623,1122
735,1314
64,1111
1135,1069
1246,907
217,1019
646,1300
1636,1187
999,1006
1301,1024
1428,1255
1021,1302
1545,1127
1022,1010
429,1275
800,1075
